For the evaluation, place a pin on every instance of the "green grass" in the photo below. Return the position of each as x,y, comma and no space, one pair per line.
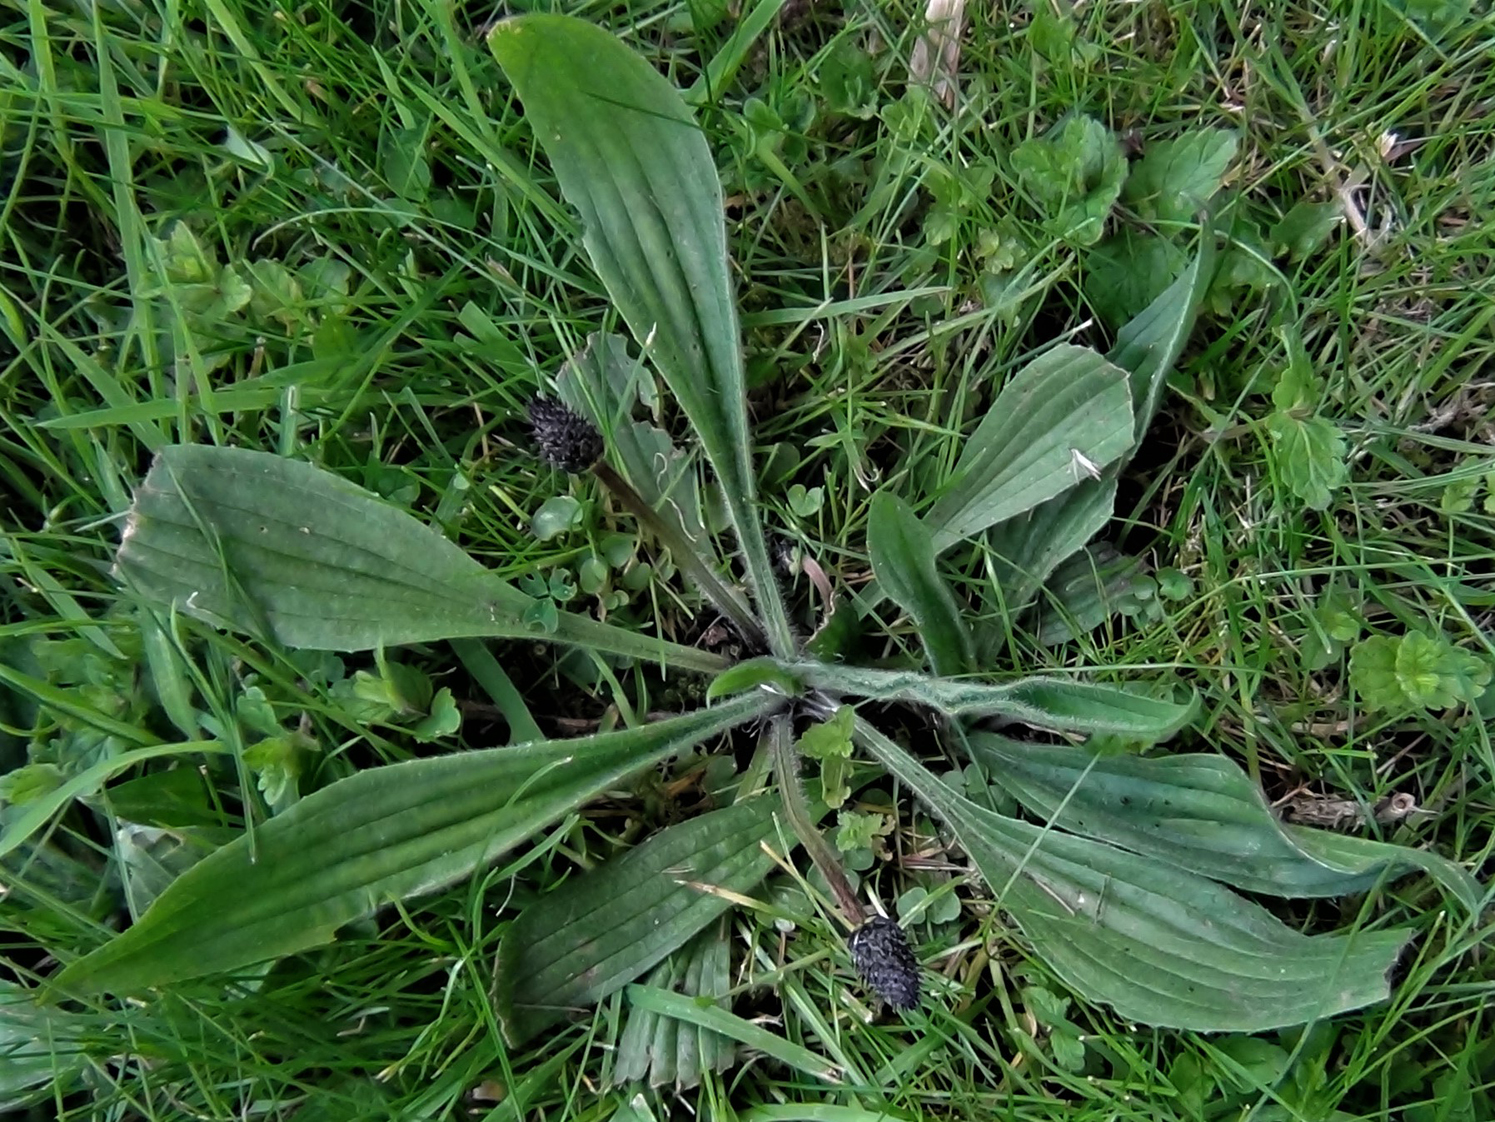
412,281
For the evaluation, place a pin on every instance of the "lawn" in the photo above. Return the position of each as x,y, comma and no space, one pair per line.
1127,365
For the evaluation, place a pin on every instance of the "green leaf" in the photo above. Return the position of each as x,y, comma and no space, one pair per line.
1309,455
558,515
603,384
1373,674
30,782
40,810
1064,414
1075,174
1434,674
903,560
383,834
1049,703
848,81
1148,346
1028,549
1088,589
1175,178
41,1050
632,160
831,738
1159,944
1197,812
829,742
666,1050
754,674
1128,271
150,859
258,543
600,931
1305,228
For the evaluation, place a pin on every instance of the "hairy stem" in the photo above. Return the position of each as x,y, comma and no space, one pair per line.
797,811
727,601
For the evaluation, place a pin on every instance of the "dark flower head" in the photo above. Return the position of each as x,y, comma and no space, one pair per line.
565,439
886,962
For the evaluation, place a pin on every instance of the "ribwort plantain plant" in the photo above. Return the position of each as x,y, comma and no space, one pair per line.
1124,887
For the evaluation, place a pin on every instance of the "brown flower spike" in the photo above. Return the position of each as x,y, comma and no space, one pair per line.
565,439
886,962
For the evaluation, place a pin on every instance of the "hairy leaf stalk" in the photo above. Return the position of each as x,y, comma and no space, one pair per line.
797,810
700,573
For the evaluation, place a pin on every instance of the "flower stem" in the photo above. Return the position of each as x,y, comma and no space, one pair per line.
786,766
683,550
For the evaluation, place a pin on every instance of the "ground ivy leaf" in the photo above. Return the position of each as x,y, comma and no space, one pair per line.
1309,455
1177,177
1305,228
1373,674
1075,175
1127,272
1435,674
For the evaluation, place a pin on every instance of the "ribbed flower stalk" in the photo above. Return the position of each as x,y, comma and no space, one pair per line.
568,441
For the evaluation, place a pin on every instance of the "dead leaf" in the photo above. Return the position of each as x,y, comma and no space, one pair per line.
936,55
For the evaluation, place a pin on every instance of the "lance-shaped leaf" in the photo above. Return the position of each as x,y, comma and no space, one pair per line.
1049,703
259,543
600,931
1148,346
1200,813
903,559
1161,945
601,384
1088,589
1031,546
631,159
665,1050
1064,416
384,834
